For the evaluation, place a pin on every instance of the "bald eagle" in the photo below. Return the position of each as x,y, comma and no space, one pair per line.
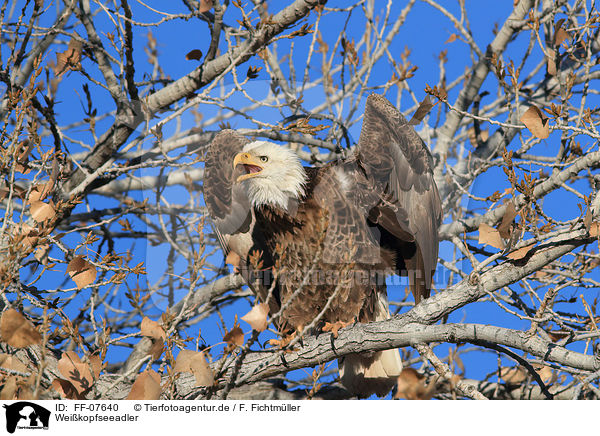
316,244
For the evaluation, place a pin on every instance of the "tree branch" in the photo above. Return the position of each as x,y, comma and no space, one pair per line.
125,124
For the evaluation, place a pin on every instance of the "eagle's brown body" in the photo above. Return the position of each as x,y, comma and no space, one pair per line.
300,251
329,248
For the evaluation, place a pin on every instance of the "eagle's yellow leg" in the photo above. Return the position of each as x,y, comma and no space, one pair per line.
335,327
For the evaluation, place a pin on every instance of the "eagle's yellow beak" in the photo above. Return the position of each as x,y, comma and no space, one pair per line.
251,164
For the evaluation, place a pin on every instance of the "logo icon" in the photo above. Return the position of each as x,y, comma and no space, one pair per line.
26,415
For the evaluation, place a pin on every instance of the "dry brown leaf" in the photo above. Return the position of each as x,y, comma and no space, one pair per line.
75,371
557,335
195,362
546,374
69,59
156,333
145,387
587,220
157,348
11,387
412,386
152,329
17,192
17,331
594,229
37,194
560,34
9,361
205,5
195,55
66,389
513,375
182,363
257,317
490,236
201,370
452,38
509,216
423,109
22,163
28,234
66,60
520,253
235,336
536,123
540,274
49,185
551,62
23,167
41,211
95,365
233,259
25,393
82,272
78,263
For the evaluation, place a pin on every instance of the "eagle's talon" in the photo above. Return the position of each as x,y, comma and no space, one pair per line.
283,342
335,327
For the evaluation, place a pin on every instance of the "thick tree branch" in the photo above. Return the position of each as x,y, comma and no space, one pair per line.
396,333
412,327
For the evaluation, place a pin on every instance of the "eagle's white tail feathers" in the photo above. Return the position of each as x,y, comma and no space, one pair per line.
376,373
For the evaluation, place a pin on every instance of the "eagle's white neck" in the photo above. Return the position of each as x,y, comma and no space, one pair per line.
263,192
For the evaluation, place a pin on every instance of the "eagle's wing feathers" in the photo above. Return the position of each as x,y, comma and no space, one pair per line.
398,164
227,203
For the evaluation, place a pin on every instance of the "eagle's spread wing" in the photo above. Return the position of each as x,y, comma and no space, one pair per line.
398,165
227,203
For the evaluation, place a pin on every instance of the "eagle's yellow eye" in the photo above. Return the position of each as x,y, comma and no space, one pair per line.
263,158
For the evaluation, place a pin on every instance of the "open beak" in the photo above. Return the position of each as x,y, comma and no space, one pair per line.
251,165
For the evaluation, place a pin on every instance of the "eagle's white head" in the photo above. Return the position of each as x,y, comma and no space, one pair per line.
273,174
